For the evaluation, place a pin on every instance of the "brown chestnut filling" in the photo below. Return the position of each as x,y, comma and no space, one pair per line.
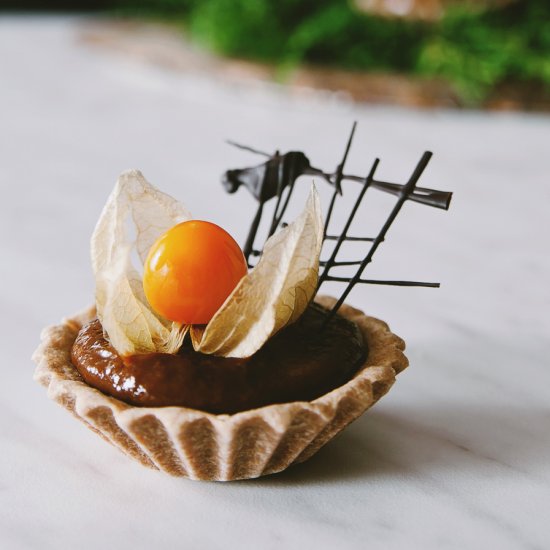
300,363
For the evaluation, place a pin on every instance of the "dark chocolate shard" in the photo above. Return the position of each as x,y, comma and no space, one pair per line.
276,178
264,179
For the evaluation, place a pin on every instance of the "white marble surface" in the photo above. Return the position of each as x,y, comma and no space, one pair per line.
455,456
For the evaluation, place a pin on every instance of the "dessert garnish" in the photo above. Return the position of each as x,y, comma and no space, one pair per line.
273,294
276,178
191,270
195,276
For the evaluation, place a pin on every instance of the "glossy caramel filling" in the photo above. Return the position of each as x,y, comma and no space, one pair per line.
300,363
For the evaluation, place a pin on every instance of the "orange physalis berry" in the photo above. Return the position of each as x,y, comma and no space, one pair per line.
191,270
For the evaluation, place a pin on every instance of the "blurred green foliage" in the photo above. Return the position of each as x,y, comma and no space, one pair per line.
479,51
474,50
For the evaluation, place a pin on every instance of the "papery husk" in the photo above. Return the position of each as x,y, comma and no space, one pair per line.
198,445
274,294
131,325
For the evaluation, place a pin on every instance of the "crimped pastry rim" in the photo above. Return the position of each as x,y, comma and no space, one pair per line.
118,422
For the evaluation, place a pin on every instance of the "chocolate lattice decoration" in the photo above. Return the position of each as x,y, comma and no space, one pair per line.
276,178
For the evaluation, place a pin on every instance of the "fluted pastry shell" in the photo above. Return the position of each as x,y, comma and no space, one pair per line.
199,445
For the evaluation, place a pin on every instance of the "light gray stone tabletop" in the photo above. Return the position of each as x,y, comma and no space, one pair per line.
457,455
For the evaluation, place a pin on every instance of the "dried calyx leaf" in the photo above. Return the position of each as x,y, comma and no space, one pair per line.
275,293
132,327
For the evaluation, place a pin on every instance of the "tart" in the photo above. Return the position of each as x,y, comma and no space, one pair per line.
200,445
269,376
